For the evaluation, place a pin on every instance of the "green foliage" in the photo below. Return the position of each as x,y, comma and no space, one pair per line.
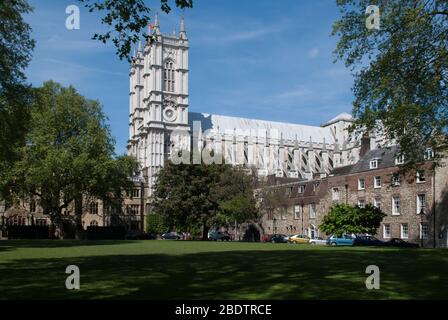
401,71
273,199
68,153
344,218
192,195
127,20
16,47
155,223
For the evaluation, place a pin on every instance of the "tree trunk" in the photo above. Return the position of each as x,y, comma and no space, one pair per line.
205,230
79,229
57,224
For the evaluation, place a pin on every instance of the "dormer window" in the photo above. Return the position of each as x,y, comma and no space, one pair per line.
374,164
429,154
399,159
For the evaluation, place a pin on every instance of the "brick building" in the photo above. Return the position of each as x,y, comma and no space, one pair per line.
416,204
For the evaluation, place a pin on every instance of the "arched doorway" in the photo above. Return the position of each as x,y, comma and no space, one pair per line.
252,234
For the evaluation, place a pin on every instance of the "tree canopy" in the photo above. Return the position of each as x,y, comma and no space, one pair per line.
127,20
344,218
16,47
400,70
69,153
192,195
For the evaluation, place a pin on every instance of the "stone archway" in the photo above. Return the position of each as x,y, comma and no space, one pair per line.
252,234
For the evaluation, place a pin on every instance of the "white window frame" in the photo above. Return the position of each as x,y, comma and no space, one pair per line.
375,184
361,203
283,214
399,160
421,204
363,182
394,211
424,236
373,164
402,236
301,189
385,235
429,154
419,175
296,212
312,208
335,194
377,203
396,180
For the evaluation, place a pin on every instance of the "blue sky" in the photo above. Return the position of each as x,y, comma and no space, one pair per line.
260,59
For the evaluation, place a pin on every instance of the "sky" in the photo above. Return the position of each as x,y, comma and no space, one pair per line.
261,59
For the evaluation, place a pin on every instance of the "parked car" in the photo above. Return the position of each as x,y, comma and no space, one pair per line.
278,238
367,241
299,239
140,235
170,236
344,240
397,242
218,236
318,241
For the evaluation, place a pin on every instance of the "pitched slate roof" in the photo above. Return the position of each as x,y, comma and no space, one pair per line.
385,156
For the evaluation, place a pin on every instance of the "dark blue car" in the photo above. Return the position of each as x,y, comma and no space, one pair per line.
367,241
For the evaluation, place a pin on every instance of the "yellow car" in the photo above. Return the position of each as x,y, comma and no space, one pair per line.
299,239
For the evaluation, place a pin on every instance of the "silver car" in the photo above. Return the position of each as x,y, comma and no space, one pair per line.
318,241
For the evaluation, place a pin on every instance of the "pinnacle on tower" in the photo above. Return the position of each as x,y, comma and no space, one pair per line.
182,33
139,46
156,24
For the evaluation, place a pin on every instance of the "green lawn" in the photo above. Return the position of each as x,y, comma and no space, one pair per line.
210,270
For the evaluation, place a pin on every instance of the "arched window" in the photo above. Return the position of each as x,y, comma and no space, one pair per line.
169,76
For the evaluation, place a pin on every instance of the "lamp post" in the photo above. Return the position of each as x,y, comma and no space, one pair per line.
302,216
422,213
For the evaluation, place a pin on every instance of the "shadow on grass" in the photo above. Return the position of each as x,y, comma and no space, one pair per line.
36,243
250,274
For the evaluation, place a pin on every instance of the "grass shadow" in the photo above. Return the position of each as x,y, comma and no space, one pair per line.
328,273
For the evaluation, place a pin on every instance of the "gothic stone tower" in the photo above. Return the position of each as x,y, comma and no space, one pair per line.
158,117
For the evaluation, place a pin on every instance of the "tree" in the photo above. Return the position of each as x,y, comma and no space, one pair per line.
16,47
273,199
344,218
189,195
68,155
127,20
400,71
155,223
